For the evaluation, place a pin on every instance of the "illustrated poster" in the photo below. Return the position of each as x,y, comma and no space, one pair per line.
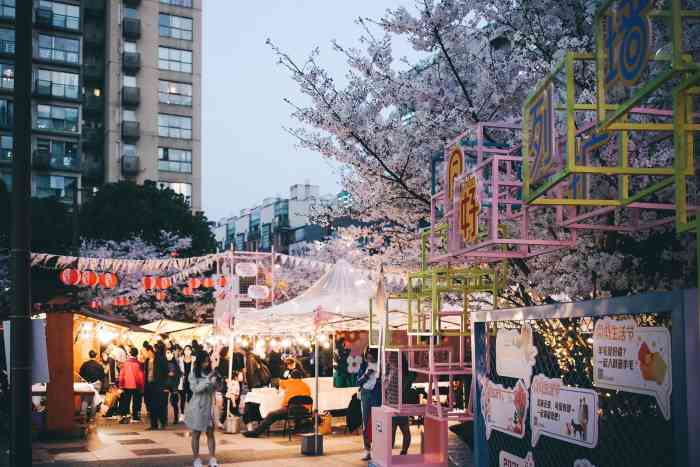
566,413
633,359
504,409
515,353
506,459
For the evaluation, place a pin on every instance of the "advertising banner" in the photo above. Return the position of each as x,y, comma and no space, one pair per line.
515,354
504,409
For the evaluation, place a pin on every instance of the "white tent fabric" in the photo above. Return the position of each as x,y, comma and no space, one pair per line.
165,326
343,292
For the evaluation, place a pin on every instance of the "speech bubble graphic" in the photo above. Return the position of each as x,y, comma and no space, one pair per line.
515,353
566,413
627,357
506,459
504,409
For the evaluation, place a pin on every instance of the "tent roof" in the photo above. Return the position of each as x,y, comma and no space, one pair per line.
343,292
165,326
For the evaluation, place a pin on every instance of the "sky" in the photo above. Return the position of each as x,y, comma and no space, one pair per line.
246,154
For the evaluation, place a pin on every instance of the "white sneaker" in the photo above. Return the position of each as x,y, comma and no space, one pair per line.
368,456
213,463
197,463
182,418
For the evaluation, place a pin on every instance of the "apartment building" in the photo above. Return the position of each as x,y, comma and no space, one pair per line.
116,95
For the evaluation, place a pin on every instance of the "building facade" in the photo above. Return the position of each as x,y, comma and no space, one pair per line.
116,95
284,224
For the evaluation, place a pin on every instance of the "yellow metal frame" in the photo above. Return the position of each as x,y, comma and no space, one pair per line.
684,161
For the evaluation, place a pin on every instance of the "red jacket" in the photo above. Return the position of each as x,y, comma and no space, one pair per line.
131,376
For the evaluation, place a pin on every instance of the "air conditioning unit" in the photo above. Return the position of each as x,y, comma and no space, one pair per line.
130,166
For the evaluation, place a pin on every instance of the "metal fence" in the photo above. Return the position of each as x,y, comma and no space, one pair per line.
567,410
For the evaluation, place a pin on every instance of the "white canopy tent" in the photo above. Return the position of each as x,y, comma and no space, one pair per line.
343,293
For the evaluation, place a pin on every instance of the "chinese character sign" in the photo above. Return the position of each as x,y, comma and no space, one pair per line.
469,209
627,41
455,165
541,130
504,409
636,359
566,413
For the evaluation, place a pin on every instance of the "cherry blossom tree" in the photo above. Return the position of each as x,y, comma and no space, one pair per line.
387,118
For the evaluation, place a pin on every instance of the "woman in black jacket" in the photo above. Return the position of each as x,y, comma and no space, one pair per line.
172,384
159,411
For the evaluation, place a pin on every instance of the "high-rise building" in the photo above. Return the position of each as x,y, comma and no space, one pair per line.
117,87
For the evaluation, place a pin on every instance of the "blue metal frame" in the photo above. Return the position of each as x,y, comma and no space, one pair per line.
685,398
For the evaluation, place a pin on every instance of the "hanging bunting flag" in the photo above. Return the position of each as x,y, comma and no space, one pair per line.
258,292
246,269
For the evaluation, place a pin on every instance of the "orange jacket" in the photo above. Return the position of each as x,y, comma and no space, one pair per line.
293,387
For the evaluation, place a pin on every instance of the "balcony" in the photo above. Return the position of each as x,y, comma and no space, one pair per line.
131,131
93,72
93,170
45,161
131,96
94,7
7,47
131,28
130,166
94,37
92,138
131,62
44,17
93,105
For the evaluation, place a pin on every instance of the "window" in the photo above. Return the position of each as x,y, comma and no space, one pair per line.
7,41
177,27
59,49
57,84
5,148
170,92
130,47
129,150
129,81
62,15
130,12
174,126
175,59
64,154
7,76
175,160
184,3
56,117
54,186
7,8
6,113
128,115
184,189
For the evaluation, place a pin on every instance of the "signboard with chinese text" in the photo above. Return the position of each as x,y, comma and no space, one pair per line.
541,146
468,210
627,357
504,409
515,354
506,459
566,413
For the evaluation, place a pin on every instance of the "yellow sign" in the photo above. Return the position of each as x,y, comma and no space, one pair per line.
469,209
455,165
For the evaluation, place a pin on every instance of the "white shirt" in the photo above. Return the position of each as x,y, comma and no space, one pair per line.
372,379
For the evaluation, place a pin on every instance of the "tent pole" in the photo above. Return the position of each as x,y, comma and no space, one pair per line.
316,396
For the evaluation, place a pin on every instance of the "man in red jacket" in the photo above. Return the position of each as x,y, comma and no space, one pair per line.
131,382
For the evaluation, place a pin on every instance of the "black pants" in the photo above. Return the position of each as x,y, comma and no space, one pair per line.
224,411
185,396
159,406
130,399
271,418
175,403
251,412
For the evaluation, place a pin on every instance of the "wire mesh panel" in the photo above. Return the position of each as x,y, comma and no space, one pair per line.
566,390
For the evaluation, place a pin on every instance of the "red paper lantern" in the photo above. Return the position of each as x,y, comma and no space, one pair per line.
194,283
95,304
108,280
160,295
187,291
148,282
162,283
121,301
208,282
89,279
70,276
221,281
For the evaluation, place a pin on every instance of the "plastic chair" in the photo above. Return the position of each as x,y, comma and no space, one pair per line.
297,412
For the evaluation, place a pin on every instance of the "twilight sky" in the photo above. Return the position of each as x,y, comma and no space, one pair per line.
246,154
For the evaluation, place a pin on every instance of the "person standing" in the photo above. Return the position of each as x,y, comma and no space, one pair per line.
146,358
199,416
185,363
370,396
172,384
159,400
131,382
222,370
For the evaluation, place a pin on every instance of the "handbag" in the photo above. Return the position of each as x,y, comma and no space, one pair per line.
325,427
233,424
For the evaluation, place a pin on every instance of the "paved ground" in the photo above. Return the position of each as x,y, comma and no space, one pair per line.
114,445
